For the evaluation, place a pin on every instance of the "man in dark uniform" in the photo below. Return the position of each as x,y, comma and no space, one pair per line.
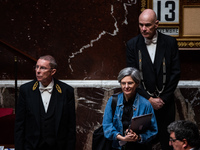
45,117
156,56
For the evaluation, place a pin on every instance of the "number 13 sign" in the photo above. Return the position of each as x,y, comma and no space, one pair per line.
167,10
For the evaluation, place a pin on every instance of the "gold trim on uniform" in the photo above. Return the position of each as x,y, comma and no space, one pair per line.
58,88
35,85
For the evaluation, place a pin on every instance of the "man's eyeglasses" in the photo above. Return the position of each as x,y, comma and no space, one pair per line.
42,68
172,140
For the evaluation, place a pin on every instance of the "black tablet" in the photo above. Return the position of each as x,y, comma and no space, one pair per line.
141,123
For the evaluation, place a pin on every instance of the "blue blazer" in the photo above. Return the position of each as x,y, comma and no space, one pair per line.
112,125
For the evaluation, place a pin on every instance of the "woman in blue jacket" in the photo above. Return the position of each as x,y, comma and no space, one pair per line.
130,104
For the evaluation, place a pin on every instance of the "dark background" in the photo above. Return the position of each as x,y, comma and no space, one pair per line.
87,38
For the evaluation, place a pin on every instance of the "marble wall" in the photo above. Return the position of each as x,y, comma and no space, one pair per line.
91,98
88,40
86,37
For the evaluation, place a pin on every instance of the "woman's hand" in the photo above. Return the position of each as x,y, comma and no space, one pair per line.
129,137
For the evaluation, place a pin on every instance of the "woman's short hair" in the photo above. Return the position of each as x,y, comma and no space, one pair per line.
129,71
51,59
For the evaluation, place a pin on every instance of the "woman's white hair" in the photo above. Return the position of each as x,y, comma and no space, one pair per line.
130,71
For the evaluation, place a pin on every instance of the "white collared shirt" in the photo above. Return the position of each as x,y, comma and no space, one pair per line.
46,95
152,47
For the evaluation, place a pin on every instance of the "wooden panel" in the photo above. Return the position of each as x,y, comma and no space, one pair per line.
191,21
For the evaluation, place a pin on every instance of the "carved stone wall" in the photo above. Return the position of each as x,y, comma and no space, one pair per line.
91,101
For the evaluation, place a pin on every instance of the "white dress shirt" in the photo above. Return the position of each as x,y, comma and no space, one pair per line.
151,46
46,94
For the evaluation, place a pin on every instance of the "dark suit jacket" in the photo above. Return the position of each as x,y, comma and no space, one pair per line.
27,123
197,148
166,47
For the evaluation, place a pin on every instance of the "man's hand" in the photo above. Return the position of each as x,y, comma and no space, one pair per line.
157,103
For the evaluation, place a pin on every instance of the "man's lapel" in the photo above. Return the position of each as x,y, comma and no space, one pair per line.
145,54
160,52
35,101
57,96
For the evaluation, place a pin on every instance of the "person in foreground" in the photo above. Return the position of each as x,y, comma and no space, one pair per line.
45,116
130,104
156,56
184,135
